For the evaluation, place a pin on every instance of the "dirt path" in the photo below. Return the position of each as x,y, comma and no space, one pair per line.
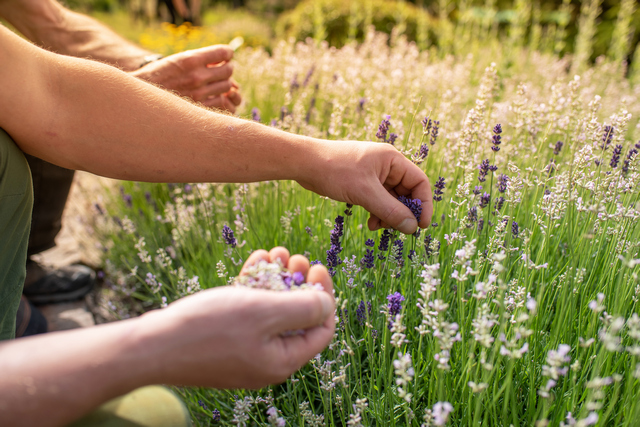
77,243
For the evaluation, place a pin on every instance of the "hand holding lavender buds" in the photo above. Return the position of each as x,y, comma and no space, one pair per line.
273,276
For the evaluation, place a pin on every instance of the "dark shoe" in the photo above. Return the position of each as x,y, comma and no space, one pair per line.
45,285
29,321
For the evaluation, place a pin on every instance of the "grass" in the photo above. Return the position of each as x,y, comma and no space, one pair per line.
527,324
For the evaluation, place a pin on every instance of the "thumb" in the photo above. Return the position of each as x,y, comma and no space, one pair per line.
391,212
299,310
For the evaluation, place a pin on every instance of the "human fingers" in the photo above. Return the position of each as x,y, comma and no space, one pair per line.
212,54
254,258
299,263
403,178
389,210
221,102
279,253
319,274
218,72
211,89
234,96
297,310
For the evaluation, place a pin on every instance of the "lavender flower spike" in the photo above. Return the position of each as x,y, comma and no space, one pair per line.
383,128
415,205
395,303
439,190
228,237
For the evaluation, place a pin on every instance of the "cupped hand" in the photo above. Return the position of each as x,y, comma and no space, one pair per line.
233,337
202,74
372,175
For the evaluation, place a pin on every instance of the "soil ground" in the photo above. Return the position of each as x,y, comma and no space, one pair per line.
78,243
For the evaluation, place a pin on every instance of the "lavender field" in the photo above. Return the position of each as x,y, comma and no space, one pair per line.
517,306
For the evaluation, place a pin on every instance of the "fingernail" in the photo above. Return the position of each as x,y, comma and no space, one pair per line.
408,226
327,305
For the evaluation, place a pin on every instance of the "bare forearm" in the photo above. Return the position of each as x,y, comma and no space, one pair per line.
93,117
68,374
49,24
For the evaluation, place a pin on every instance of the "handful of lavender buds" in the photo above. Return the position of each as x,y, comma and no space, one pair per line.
274,277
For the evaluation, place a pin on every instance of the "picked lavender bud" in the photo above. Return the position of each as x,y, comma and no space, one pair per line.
273,276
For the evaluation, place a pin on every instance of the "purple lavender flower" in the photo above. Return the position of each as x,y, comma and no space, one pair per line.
368,260
392,138
515,229
424,151
333,260
411,254
228,237
439,189
383,128
472,216
426,124
298,278
383,246
308,230
361,104
369,284
316,262
434,132
502,182
202,404
128,199
496,139
415,205
255,114
607,137
627,161
307,78
499,203
188,188
348,211
395,303
493,168
312,105
215,414
558,147
427,244
274,123
480,224
485,199
477,190
615,158
294,83
484,170
370,243
361,313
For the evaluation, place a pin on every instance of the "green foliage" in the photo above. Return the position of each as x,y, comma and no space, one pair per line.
577,237
337,21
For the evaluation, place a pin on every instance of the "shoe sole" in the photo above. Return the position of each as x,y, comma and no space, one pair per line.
55,298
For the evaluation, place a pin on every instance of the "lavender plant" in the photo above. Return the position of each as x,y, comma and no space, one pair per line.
517,306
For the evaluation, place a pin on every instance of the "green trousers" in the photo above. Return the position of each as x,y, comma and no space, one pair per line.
152,406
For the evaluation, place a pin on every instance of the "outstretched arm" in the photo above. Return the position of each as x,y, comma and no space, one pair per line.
201,74
85,115
201,340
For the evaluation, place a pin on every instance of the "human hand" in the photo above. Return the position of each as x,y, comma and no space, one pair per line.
203,74
232,337
371,175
